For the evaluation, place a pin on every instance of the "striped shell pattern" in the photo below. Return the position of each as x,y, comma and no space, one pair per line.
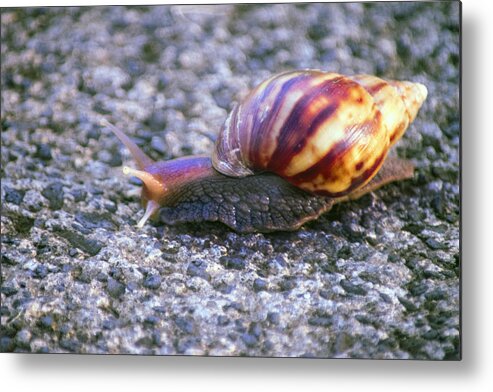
323,132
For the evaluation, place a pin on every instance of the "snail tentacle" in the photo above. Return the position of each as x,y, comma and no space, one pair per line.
139,156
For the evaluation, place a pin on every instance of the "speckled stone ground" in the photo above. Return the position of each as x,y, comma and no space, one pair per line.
375,278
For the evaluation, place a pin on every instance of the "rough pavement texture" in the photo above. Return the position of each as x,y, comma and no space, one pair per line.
374,278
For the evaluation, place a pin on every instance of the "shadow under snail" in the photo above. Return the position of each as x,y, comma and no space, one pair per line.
299,142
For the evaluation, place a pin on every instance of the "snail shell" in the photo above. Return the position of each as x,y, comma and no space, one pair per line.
325,133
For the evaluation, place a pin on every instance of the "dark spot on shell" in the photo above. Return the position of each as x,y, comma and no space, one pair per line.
398,131
294,131
332,177
376,88
359,165
369,173
298,147
323,166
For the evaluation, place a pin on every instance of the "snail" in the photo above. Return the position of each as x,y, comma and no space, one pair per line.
298,143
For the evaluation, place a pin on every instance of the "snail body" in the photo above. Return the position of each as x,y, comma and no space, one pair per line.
298,143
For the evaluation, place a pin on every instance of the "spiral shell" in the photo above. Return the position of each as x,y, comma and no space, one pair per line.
326,133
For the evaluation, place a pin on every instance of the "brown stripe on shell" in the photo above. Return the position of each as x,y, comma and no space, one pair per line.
375,88
250,145
289,101
227,154
291,140
336,156
231,155
356,182
398,131
369,173
259,130
389,100
323,166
